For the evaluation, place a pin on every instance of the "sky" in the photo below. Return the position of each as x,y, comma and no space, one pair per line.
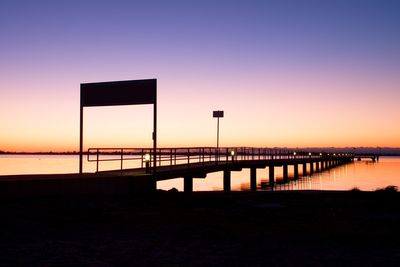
301,73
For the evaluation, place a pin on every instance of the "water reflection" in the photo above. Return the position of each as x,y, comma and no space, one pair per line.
364,175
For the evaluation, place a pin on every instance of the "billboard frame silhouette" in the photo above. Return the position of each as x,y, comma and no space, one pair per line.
116,93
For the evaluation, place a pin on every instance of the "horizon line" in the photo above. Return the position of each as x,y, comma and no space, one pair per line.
292,148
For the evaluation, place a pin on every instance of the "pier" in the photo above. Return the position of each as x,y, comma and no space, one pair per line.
373,157
171,163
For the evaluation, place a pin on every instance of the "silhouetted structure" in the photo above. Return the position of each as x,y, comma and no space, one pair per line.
134,92
188,163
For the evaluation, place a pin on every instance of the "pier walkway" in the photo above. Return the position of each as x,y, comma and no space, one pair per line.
186,163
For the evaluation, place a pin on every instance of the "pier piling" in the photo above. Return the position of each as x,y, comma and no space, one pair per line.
304,169
271,174
296,171
227,180
188,184
253,179
285,173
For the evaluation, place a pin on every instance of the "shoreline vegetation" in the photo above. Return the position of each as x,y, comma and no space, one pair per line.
169,228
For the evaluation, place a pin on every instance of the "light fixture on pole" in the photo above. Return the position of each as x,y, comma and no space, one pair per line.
218,114
233,153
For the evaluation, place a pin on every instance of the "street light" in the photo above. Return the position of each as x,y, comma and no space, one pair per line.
233,154
218,114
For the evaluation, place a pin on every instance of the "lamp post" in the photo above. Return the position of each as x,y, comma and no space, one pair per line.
233,154
218,114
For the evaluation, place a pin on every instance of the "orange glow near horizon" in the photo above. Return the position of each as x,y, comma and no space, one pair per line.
185,120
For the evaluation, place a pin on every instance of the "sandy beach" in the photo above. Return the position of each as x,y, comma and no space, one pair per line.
295,228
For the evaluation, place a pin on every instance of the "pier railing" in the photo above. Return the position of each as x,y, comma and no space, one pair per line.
144,157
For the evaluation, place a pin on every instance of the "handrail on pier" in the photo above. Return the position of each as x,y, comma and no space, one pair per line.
188,155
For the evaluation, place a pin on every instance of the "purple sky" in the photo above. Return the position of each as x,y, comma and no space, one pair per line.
287,73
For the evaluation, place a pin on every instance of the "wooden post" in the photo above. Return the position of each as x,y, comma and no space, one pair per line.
188,184
285,173
271,174
296,171
253,179
227,180
304,169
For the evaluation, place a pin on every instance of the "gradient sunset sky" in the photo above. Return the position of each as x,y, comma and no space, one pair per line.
286,73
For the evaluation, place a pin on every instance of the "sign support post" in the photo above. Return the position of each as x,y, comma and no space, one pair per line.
218,114
155,132
81,137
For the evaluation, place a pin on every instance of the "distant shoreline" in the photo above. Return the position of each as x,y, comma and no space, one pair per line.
387,151
39,153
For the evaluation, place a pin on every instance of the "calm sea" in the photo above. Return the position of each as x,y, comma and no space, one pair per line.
364,174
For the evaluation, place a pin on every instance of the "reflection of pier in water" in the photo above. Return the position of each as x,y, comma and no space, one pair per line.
305,183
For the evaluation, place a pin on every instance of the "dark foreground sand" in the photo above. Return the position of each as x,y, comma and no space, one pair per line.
203,229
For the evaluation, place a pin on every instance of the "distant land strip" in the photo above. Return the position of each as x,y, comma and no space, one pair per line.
381,151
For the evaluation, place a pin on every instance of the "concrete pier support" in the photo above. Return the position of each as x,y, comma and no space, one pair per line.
227,180
253,179
271,174
285,173
296,171
188,184
317,166
304,169
311,168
